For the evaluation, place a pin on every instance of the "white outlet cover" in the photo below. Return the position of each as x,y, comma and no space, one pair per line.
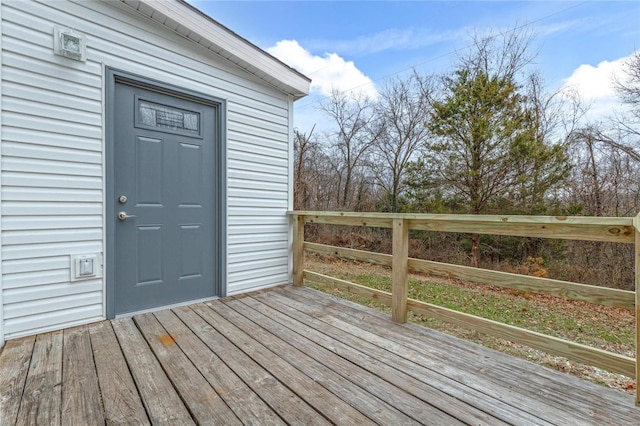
85,266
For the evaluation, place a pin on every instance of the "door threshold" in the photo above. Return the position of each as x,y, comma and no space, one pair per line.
161,308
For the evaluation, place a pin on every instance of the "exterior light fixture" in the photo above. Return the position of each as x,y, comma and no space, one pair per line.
70,44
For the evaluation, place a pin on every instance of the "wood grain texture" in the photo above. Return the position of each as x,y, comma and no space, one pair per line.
636,223
81,402
288,405
239,397
14,366
377,377
325,402
122,403
612,229
161,401
565,289
372,222
472,218
447,377
557,397
42,392
298,251
436,404
575,351
203,402
287,356
536,228
399,270
373,294
335,374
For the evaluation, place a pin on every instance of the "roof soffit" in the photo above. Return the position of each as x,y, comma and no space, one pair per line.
196,26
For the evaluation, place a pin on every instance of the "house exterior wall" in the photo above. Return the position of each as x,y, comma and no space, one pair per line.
53,148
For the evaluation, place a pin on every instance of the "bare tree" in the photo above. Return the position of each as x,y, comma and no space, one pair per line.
629,88
621,134
351,140
304,148
403,112
604,182
605,177
628,125
596,134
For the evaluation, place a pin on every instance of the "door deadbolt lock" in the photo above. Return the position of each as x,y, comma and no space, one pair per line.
122,199
124,216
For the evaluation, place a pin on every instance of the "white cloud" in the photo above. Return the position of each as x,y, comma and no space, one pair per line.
596,82
596,87
327,72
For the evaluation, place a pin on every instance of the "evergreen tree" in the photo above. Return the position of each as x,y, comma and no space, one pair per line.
488,147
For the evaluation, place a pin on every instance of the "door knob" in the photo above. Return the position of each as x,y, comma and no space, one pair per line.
124,216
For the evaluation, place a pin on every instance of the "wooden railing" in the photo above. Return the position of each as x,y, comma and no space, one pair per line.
619,230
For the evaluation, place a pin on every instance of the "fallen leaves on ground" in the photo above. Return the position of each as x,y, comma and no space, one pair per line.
605,327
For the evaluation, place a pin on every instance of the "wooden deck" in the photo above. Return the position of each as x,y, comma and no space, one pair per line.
287,356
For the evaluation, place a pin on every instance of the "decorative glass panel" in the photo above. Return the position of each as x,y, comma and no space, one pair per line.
164,117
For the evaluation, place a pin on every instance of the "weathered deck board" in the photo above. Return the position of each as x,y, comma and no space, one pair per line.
204,403
548,384
286,356
332,407
443,373
41,398
387,368
14,365
238,396
162,402
286,403
474,358
370,395
556,393
398,397
286,345
80,392
122,403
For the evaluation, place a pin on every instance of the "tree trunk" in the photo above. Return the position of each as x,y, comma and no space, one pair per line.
347,187
475,250
594,174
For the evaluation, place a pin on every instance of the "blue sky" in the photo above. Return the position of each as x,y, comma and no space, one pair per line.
361,44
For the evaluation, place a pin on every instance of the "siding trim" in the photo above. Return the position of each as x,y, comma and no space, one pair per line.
1,140
113,76
290,195
105,258
223,203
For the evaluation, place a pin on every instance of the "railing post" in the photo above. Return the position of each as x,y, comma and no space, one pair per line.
399,270
636,226
298,250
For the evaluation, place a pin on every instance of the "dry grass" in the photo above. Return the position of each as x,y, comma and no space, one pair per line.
608,328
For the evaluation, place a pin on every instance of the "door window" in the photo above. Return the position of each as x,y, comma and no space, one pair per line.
166,118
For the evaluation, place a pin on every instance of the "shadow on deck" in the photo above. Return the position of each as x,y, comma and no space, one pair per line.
287,356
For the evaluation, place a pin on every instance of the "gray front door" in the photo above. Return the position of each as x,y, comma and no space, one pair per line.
164,209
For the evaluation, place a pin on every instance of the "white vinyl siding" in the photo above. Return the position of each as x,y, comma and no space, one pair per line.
53,155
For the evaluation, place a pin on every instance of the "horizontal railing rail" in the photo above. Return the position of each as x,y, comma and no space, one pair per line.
604,229
565,289
619,230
